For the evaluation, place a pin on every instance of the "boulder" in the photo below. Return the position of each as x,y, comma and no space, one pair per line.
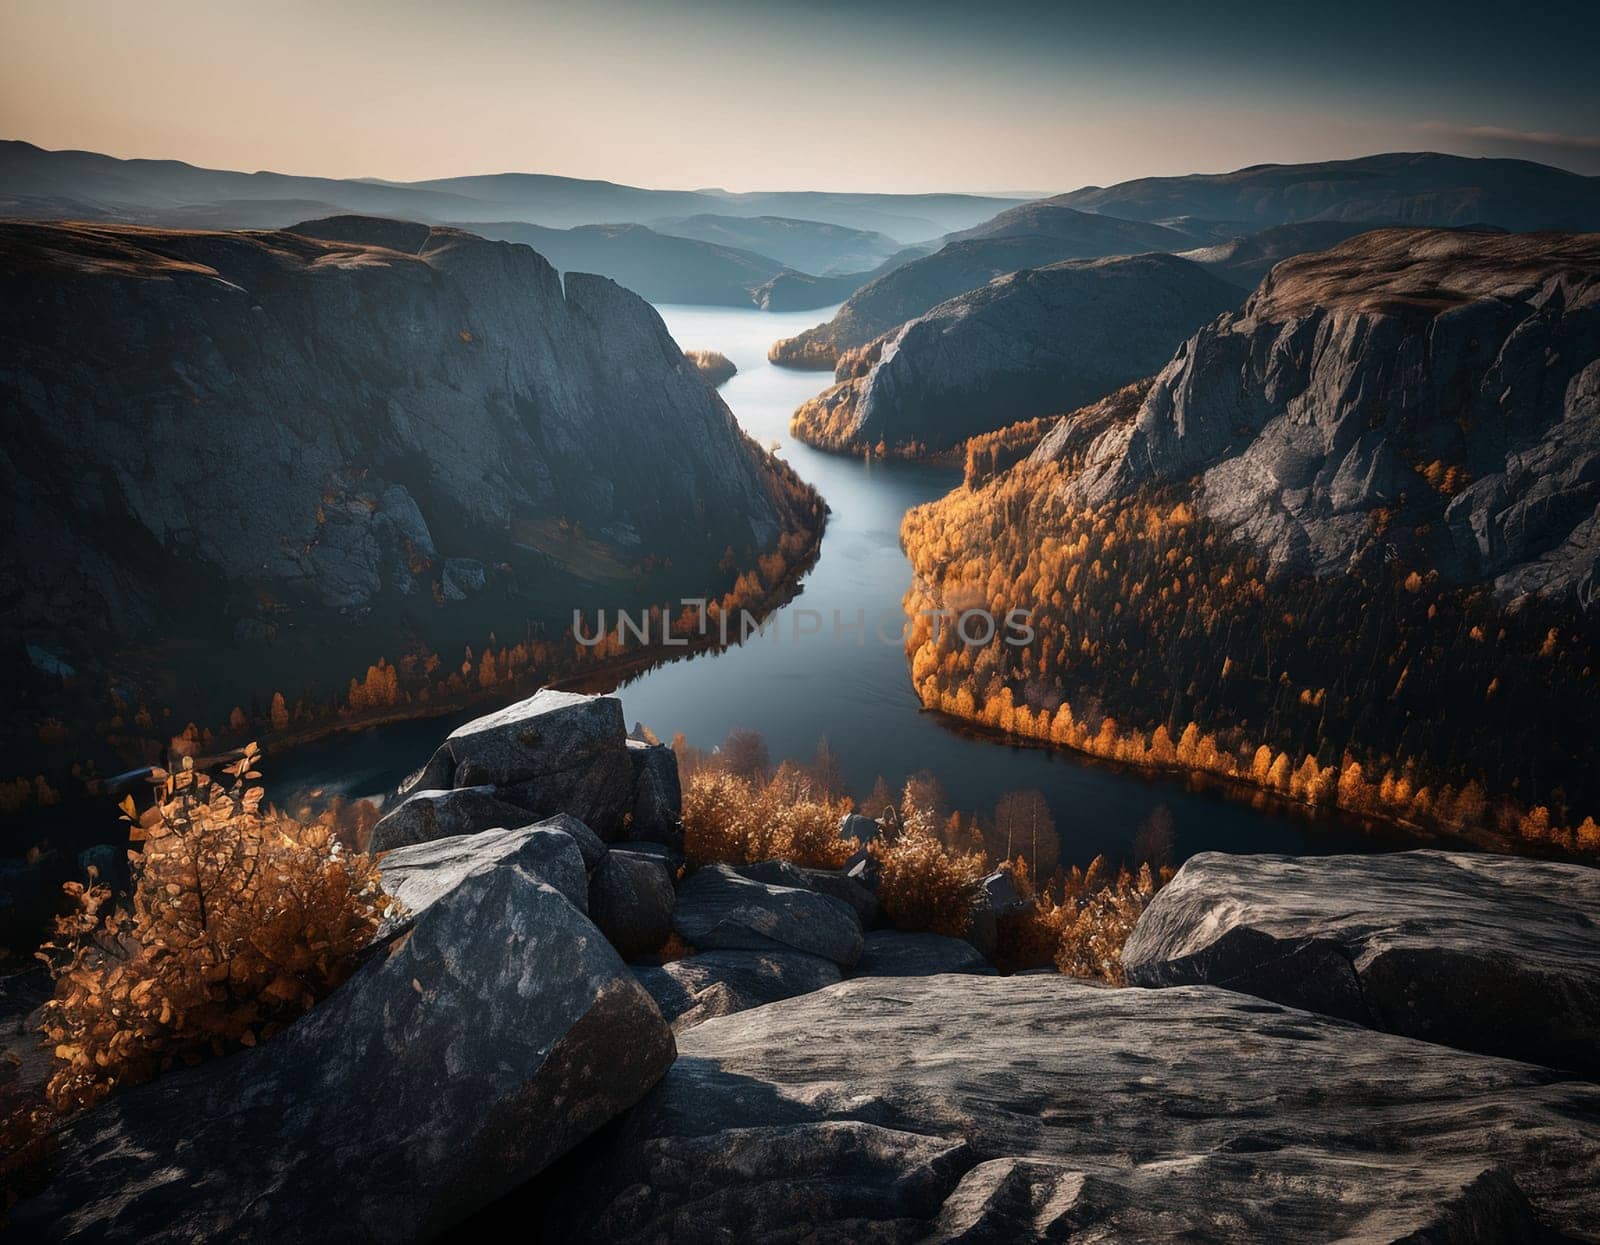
1001,1109
555,752
590,846
890,953
1497,954
862,829
998,892
630,899
983,930
719,909
423,873
446,1072
657,794
669,857
719,983
863,901
864,870
442,814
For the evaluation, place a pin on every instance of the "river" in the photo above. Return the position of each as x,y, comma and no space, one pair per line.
802,681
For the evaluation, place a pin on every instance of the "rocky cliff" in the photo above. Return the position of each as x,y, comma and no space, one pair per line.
1031,235
1027,344
288,426
1447,382
656,266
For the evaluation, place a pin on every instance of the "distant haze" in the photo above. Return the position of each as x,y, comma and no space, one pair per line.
996,97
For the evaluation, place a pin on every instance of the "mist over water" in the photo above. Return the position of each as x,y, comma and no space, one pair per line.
854,688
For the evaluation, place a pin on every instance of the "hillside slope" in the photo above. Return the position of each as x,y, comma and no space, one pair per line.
225,437
1406,188
660,268
34,181
1343,548
1030,236
1027,344
1351,371
804,245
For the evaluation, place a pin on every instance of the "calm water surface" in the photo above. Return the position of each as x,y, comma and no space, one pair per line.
802,682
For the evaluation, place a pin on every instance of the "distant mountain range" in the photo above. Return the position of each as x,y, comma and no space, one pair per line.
172,193
1237,224
1401,188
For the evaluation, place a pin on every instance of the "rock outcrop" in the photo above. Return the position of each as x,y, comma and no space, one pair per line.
1449,379
424,873
658,794
425,815
718,909
971,1108
555,752
1246,259
282,433
494,1035
1029,236
1486,953
1032,343
631,899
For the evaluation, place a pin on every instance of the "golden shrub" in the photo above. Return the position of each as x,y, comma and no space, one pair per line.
1096,925
926,886
241,918
735,819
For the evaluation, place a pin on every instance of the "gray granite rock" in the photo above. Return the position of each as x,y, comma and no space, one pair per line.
891,953
658,795
1349,369
590,846
555,752
719,983
1498,954
630,899
1037,1108
719,909
336,361
500,1032
423,873
836,882
442,814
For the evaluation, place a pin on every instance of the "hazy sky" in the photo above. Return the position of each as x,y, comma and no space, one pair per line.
982,95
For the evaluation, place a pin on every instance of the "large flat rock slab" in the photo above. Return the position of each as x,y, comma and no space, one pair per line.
484,1042
1002,1109
1497,954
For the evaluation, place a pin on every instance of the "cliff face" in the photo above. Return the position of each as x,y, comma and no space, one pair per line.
1031,343
1421,395
1032,235
659,267
318,420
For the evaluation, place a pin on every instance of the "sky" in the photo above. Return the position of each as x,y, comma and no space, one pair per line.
984,96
